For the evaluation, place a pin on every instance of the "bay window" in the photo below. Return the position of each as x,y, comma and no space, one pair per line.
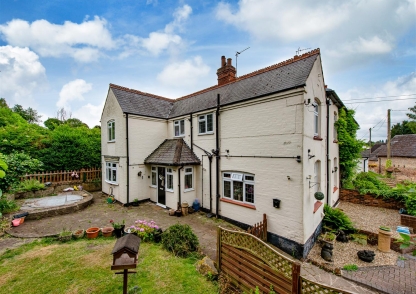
169,180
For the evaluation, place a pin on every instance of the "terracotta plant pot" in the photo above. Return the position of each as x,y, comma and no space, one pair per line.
78,234
92,232
107,232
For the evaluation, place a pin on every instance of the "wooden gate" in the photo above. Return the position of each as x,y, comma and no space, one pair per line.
251,263
259,229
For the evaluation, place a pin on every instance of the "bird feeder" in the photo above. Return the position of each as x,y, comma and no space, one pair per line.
125,253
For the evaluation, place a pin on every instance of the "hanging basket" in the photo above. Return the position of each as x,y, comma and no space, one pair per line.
319,195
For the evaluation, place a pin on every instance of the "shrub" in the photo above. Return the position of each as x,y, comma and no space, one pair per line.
7,206
180,239
337,220
144,229
30,185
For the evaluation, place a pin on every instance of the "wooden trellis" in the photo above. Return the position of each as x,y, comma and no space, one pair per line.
82,175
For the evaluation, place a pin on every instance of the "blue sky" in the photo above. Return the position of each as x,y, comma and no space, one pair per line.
63,53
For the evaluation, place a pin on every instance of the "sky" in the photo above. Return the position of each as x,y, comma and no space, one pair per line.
65,53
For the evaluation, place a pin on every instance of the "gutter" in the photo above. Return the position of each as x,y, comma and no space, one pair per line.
128,158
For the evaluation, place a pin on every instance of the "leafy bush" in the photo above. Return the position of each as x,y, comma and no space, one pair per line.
144,229
7,206
30,185
19,164
337,220
410,201
180,239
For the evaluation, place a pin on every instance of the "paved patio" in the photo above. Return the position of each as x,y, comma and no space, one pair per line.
100,213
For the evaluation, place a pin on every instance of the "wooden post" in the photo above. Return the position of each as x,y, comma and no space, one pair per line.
219,248
264,228
295,278
125,282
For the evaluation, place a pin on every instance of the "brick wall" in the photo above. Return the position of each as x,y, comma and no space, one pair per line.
408,221
354,196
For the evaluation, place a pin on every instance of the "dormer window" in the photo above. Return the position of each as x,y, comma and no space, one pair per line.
111,129
205,123
179,127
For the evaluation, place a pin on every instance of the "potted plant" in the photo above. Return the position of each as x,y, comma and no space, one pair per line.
92,232
135,202
384,238
107,231
110,199
319,196
78,233
118,228
65,235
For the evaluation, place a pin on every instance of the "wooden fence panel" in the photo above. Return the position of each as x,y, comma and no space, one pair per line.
259,229
84,175
309,287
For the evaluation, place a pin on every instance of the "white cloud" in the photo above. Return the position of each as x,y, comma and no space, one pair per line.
21,75
186,73
348,28
83,41
369,114
72,91
160,40
90,114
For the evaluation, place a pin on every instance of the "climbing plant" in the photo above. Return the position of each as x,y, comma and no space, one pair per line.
349,146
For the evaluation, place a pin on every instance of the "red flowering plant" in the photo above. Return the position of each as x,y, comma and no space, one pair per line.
144,229
116,225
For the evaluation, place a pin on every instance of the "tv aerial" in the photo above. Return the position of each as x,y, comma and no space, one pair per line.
236,58
300,50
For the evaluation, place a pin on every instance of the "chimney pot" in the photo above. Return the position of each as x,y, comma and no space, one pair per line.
226,73
229,61
222,61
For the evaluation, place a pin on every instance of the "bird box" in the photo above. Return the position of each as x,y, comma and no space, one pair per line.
125,252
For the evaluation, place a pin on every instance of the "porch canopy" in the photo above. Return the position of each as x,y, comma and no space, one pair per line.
173,152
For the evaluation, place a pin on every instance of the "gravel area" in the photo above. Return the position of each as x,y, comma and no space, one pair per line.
346,253
370,218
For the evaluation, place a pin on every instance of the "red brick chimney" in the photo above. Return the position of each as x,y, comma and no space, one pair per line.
226,73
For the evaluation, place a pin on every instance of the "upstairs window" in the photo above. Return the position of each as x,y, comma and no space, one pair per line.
111,127
111,172
205,124
179,126
316,115
239,187
189,181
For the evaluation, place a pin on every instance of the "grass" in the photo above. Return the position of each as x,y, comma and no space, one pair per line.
84,267
350,267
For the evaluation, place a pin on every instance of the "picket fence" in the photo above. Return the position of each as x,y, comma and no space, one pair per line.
82,175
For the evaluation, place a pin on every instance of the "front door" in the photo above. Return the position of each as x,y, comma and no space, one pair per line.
161,194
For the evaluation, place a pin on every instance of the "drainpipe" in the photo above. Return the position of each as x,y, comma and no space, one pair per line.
217,156
210,183
328,103
192,137
179,185
128,159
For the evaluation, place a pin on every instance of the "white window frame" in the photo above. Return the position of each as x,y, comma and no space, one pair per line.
180,125
169,175
316,118
111,130
189,171
153,172
110,171
232,177
203,119
335,129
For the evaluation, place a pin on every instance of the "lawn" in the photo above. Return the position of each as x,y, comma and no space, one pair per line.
83,266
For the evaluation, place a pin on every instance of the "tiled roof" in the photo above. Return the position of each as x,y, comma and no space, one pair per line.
285,75
174,152
401,146
130,241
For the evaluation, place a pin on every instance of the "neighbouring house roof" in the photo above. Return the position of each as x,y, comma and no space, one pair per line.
365,153
289,74
401,146
173,152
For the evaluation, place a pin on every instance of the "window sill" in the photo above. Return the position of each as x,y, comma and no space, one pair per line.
111,183
111,141
180,136
335,141
170,191
189,190
316,206
317,138
251,206
203,134
335,189
154,187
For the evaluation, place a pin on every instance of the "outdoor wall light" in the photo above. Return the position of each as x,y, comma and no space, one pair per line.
139,173
335,169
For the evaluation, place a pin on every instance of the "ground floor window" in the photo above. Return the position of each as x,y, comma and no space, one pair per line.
189,175
154,175
169,180
238,186
111,172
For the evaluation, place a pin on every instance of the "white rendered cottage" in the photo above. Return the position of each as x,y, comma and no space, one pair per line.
235,147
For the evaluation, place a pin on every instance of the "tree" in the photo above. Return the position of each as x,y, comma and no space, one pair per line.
349,146
401,129
51,123
3,103
412,115
75,123
30,115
